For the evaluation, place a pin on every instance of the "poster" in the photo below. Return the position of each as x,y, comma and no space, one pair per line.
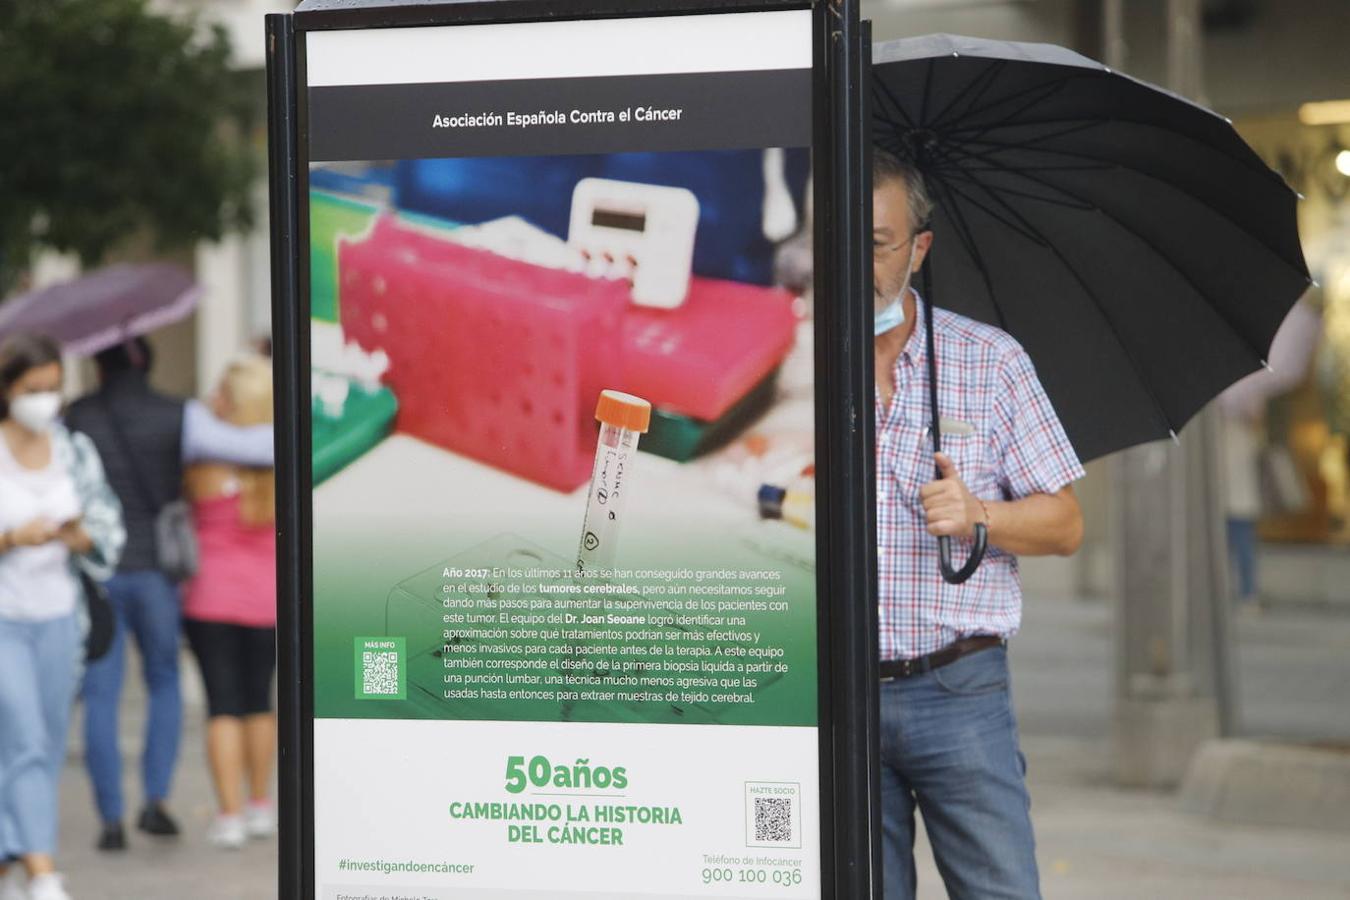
563,444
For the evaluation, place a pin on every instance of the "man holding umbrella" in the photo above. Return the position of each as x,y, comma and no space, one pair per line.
1133,245
949,738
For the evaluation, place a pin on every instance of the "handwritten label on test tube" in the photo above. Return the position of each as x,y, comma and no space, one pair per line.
623,418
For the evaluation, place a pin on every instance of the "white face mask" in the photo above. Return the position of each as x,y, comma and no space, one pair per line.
36,412
893,316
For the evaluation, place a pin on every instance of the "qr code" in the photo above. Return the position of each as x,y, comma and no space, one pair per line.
379,672
773,814
773,819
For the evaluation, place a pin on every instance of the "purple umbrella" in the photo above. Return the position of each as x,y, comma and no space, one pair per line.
105,307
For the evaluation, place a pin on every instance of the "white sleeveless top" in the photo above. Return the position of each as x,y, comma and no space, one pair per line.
36,583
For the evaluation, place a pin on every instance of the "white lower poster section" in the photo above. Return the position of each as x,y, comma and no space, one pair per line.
418,810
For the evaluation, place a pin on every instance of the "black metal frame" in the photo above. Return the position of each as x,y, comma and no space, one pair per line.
846,536
290,365
846,430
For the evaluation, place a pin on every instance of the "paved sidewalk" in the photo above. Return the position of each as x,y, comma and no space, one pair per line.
1096,841
183,868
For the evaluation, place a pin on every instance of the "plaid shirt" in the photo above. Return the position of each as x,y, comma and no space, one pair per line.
1015,447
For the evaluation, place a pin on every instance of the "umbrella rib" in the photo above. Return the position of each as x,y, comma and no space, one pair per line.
1257,353
881,91
1024,228
1063,204
1134,363
895,103
927,90
984,80
892,146
1098,167
972,249
1042,92
1101,309
1259,168
1029,143
1152,176
1074,123
981,130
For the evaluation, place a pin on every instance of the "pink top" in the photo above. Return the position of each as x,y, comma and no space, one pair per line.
236,582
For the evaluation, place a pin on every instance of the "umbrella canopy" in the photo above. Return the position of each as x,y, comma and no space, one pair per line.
1129,239
1291,357
105,307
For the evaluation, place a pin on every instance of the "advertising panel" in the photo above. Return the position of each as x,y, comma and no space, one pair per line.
563,459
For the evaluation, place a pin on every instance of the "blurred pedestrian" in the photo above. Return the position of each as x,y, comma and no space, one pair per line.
56,511
145,438
1240,462
230,613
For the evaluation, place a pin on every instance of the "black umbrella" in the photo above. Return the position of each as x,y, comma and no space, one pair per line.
1129,239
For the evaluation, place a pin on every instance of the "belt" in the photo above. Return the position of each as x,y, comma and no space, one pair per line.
892,669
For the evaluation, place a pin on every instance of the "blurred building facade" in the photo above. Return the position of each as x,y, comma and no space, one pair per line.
236,306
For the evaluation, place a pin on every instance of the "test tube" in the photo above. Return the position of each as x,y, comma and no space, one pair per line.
623,418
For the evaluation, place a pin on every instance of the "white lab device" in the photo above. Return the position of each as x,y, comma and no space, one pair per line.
640,231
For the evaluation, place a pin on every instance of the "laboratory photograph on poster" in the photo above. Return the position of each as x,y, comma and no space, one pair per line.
547,407
563,461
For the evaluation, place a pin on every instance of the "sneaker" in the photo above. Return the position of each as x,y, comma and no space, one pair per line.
155,820
112,837
260,820
227,832
47,887
11,885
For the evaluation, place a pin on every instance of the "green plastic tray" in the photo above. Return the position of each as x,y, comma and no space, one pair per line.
366,419
331,216
682,438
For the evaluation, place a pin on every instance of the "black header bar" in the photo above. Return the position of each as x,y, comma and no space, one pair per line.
532,117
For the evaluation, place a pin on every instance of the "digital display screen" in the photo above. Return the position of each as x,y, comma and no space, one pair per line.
608,218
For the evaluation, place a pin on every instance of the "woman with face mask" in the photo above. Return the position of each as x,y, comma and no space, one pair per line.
56,512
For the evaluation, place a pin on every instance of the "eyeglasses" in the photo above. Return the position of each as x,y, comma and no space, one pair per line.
880,248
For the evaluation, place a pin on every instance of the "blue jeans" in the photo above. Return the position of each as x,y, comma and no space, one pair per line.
949,747
39,665
1242,549
147,605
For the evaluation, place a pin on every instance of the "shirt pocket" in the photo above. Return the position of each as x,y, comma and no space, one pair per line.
973,457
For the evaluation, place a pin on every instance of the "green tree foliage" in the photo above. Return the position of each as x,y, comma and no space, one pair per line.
117,121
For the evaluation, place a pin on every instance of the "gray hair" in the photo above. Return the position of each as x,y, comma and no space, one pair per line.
889,167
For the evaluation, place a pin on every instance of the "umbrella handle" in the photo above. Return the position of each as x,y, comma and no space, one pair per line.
950,575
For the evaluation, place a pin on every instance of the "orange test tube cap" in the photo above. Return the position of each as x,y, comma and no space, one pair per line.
624,411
